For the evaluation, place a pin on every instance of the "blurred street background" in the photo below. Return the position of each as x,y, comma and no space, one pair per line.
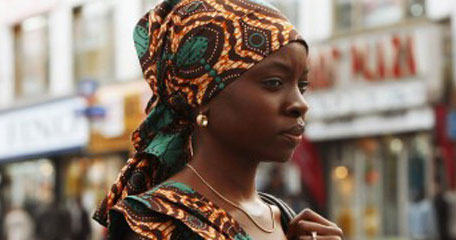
379,157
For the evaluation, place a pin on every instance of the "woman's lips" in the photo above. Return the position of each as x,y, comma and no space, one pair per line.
294,135
292,139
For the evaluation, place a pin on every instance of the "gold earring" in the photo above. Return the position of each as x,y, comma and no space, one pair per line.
202,120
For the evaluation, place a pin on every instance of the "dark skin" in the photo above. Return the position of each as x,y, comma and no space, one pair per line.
248,124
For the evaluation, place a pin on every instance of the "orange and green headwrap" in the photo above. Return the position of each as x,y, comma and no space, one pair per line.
189,51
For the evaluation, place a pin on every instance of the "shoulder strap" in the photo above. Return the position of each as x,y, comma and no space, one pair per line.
287,214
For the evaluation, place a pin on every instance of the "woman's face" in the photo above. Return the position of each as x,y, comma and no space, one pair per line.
262,113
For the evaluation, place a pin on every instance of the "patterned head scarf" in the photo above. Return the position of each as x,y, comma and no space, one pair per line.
189,51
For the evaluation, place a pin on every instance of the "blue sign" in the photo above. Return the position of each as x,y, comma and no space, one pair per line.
87,87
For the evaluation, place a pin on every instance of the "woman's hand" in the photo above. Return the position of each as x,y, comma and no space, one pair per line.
302,226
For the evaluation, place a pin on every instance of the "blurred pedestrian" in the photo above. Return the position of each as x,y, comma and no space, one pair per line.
80,225
18,224
276,182
53,223
442,209
4,183
422,218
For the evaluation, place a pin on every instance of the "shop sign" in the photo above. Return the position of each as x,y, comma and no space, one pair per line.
392,56
375,83
43,129
420,119
346,102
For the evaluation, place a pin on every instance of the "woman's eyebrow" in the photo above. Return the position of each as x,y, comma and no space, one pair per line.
280,65
305,73
286,68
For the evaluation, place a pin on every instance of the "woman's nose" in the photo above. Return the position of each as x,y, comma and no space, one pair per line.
298,106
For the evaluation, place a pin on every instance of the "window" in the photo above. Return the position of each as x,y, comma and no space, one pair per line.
94,42
343,15
376,13
30,182
360,14
149,4
32,57
290,8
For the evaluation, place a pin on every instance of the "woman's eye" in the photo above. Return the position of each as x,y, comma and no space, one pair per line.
272,83
302,85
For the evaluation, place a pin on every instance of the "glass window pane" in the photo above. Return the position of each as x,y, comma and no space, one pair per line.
382,12
94,44
289,8
32,56
31,182
416,8
343,15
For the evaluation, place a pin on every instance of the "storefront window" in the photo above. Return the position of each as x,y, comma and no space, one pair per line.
376,184
94,42
32,57
89,179
393,149
30,183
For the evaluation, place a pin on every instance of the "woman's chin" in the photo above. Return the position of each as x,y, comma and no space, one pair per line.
279,159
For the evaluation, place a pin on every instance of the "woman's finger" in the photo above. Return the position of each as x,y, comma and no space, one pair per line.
320,238
308,214
305,227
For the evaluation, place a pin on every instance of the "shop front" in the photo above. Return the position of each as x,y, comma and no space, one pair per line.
33,142
372,119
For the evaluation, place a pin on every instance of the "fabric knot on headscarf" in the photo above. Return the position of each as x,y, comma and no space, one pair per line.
189,51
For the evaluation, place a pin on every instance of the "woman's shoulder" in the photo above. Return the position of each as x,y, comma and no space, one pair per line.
136,225
165,199
149,215
159,202
156,203
165,210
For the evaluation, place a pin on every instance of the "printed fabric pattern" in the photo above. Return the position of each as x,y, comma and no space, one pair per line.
173,210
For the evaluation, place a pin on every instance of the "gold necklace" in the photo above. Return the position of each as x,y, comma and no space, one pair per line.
235,205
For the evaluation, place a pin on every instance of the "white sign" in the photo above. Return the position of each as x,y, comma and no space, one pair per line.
55,126
375,83
406,121
371,98
380,57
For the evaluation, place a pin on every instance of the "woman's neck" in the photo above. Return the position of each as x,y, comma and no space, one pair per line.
231,174
229,178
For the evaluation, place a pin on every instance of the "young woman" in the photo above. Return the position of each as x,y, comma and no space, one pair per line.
228,78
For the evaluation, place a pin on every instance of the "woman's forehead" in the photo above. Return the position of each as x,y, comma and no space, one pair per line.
290,58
